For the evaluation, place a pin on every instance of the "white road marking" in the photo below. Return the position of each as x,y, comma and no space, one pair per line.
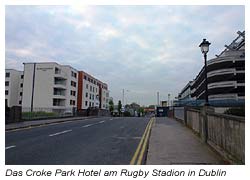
9,147
88,125
60,133
111,119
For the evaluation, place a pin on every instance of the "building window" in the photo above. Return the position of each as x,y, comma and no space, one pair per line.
90,88
7,74
87,86
6,92
57,71
21,93
86,103
93,97
73,74
20,102
85,77
21,76
73,83
90,96
7,83
58,102
72,102
89,104
73,93
21,85
92,104
86,95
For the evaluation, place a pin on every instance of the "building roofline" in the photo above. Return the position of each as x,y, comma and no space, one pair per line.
64,65
70,67
13,69
186,86
50,62
93,77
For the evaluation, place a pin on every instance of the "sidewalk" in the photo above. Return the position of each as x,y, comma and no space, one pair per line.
173,143
34,123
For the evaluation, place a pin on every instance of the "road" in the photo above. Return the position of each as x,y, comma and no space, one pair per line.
98,141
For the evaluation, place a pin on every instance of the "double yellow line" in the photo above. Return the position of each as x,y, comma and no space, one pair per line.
140,151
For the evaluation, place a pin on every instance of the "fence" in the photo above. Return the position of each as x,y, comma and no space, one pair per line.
12,114
225,133
179,113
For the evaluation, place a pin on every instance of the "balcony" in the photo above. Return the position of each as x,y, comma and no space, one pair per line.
60,74
59,93
58,102
60,82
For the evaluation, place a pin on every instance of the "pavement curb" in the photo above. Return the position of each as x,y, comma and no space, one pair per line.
49,123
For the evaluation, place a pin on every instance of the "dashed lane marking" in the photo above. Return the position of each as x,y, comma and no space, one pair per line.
59,133
9,147
88,125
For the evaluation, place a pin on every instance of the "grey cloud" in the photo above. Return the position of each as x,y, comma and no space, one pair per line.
141,48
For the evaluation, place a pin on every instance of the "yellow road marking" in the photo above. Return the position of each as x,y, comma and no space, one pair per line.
139,161
132,162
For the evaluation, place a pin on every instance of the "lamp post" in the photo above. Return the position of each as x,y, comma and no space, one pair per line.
204,49
123,96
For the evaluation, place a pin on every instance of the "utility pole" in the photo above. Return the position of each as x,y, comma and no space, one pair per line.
123,97
158,99
168,99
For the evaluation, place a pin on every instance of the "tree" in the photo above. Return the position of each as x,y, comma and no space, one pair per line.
111,105
151,106
119,107
141,111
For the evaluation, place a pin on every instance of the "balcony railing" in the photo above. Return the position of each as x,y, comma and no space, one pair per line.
58,102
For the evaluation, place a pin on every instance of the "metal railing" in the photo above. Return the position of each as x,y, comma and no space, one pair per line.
215,103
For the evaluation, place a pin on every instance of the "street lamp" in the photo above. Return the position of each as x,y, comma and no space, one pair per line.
204,49
123,95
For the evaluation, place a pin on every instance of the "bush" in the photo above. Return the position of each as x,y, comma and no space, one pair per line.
38,114
126,114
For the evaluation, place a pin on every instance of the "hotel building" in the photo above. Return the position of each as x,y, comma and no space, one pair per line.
51,87
91,92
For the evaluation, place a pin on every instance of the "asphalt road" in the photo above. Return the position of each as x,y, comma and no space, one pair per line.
98,141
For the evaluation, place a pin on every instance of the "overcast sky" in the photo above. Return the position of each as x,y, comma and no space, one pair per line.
142,49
